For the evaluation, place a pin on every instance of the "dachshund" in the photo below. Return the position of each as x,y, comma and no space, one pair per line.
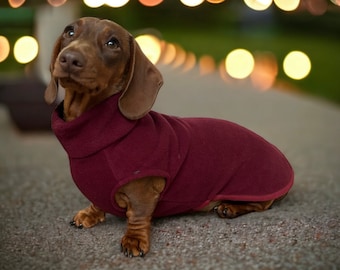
133,162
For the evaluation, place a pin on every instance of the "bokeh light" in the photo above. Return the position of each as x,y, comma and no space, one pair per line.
215,1
4,48
190,62
258,4
56,3
94,3
239,63
297,65
206,64
150,3
317,7
116,3
192,3
287,5
150,46
223,73
179,57
169,53
336,2
265,71
25,49
16,3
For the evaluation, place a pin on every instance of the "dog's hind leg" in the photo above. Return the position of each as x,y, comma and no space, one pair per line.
230,209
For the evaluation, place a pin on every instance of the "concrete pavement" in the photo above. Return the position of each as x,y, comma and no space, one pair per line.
38,197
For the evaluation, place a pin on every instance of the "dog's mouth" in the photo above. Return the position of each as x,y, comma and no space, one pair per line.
81,82
80,85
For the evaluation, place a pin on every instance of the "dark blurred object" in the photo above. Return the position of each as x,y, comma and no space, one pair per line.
24,98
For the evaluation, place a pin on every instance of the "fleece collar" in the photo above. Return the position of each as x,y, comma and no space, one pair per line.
94,130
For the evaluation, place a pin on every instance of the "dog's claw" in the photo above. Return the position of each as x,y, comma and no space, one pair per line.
222,211
125,251
129,253
73,223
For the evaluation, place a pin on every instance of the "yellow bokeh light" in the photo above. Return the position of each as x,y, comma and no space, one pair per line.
150,3
239,63
192,3
297,65
4,48
150,46
25,49
258,4
116,3
287,5
16,3
94,3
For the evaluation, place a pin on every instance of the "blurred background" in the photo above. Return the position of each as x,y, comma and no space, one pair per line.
291,45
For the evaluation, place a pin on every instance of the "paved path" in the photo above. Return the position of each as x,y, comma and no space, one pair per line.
38,197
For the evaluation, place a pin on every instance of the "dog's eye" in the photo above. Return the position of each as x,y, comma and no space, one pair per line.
69,31
113,43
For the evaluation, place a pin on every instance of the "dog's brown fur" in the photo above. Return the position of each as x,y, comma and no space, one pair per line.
94,59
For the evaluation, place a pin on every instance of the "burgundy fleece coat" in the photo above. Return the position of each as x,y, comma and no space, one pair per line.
201,159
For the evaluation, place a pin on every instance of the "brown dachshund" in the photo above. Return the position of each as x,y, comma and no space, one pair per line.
133,162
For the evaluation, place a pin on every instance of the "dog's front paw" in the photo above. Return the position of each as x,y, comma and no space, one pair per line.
134,246
88,217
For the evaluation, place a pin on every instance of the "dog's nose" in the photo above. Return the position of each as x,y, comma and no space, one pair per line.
72,61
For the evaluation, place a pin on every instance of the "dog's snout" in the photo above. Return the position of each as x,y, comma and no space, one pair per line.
72,61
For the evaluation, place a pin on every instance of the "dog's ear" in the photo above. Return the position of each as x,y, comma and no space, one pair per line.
143,83
52,88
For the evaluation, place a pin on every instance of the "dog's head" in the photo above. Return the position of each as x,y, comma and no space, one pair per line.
99,58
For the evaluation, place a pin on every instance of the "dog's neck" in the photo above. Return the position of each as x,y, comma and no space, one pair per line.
75,104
